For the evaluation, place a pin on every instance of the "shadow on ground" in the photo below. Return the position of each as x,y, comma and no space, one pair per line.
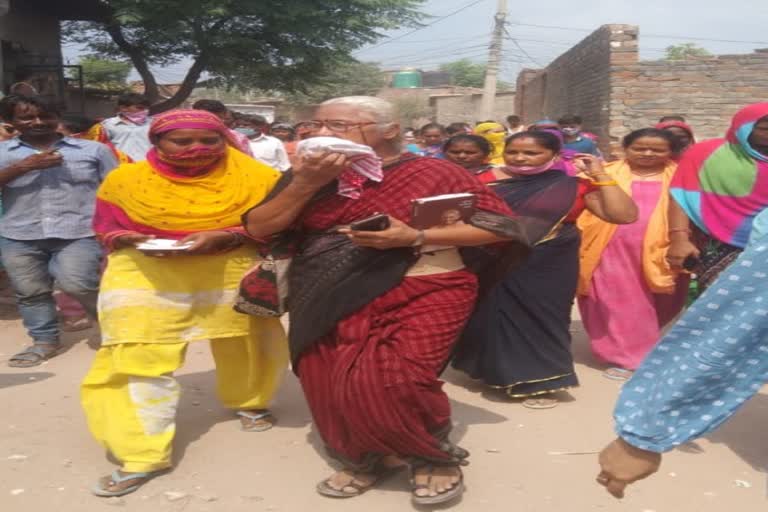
8,380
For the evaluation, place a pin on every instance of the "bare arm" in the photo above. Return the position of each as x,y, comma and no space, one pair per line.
309,175
612,204
680,245
401,234
609,202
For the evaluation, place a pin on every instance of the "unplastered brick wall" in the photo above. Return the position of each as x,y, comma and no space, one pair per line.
602,79
579,81
707,91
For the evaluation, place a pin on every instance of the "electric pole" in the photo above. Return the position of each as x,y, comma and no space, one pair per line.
494,62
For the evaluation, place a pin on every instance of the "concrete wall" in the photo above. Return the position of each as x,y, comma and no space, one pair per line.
33,39
465,108
602,79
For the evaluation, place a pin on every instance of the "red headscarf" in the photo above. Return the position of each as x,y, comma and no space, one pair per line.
676,124
193,161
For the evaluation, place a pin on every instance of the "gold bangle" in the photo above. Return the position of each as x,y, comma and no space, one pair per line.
605,183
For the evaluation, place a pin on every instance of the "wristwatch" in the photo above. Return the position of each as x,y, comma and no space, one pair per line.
419,239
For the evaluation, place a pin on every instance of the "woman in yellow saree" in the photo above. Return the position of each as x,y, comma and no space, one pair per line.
192,189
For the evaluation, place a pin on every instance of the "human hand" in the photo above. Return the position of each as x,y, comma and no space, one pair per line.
622,464
590,165
399,234
680,249
318,169
44,160
130,240
209,242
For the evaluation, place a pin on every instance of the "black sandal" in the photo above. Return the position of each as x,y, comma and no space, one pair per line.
34,355
442,497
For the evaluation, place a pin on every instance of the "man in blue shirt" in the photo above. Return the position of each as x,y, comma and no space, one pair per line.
49,185
129,129
571,127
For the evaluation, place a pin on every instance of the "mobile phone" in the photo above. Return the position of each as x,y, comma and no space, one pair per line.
690,263
376,222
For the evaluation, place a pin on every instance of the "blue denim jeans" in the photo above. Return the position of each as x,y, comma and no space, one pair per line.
33,266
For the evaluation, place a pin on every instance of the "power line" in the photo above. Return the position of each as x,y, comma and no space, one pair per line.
660,36
438,20
522,50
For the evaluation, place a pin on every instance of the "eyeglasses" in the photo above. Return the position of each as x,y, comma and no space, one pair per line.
333,125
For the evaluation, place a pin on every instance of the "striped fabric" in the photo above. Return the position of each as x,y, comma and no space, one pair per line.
373,384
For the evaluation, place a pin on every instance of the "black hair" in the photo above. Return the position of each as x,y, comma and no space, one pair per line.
477,140
545,139
674,143
454,128
77,124
673,117
514,118
212,106
432,126
252,119
570,119
133,99
9,103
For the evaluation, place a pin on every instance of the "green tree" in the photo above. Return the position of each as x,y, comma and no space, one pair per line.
105,74
285,45
466,73
685,51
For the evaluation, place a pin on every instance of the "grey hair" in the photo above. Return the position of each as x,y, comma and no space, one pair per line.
382,110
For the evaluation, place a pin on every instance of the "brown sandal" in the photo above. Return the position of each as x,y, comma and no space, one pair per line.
442,497
325,488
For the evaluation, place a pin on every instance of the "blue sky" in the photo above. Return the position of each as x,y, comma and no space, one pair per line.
662,22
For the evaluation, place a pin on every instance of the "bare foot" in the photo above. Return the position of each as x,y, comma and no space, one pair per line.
256,420
433,481
120,483
348,483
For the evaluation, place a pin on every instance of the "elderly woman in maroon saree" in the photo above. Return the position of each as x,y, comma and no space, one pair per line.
373,324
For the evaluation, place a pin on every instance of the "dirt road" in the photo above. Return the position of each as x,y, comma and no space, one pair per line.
522,460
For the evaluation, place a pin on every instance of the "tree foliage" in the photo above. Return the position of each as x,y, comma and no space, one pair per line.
283,45
106,74
466,73
685,51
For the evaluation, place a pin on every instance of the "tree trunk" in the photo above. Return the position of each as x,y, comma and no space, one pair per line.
187,86
151,89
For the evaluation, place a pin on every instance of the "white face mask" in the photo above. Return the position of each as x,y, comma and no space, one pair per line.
570,132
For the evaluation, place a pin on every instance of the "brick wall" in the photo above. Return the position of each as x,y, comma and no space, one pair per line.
578,82
707,91
602,79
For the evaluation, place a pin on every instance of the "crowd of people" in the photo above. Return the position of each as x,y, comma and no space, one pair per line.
375,317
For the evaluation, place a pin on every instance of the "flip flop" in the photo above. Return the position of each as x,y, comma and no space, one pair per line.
443,497
325,488
117,478
540,403
75,324
34,355
616,373
255,417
